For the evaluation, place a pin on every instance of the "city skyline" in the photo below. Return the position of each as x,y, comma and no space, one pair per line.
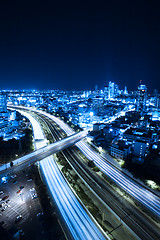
109,85
74,46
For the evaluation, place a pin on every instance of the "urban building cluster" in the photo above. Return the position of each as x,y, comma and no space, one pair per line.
124,123
11,122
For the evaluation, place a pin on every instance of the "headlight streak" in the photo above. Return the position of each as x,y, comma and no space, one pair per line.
57,145
150,200
143,195
76,216
80,224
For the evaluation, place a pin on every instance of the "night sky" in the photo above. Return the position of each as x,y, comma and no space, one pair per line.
75,45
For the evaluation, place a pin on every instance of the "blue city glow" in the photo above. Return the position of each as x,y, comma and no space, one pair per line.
129,126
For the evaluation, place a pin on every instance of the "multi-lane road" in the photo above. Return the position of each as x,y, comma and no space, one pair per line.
79,222
147,198
144,228
77,218
150,200
141,194
41,153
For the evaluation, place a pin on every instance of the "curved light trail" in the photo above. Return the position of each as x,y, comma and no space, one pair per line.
77,218
143,195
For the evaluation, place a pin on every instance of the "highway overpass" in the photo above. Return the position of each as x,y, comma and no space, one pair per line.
80,224
142,194
42,153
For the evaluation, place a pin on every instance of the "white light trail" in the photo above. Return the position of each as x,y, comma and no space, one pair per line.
143,195
75,215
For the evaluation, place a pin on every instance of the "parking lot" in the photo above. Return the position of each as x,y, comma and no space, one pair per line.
20,208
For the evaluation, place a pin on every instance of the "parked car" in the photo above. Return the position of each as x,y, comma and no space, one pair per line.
4,198
18,218
29,179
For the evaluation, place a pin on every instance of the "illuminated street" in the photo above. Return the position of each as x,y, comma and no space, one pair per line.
146,197
75,216
46,170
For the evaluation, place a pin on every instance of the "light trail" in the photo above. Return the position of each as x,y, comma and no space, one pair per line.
143,195
40,143
77,218
146,197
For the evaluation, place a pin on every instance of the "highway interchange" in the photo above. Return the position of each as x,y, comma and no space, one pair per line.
141,225
136,220
143,195
77,219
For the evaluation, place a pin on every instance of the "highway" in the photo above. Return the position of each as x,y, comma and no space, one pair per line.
76,217
79,222
141,194
136,220
41,153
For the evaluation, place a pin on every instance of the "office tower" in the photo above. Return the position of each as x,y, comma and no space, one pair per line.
125,90
111,90
116,90
3,102
141,99
105,89
156,99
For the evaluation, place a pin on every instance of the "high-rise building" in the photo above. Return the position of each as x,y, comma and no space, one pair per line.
3,102
105,89
106,92
125,90
111,90
156,99
116,90
141,99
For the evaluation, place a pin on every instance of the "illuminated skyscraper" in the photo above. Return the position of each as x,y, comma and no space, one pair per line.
105,89
3,102
125,90
116,90
111,90
156,99
141,99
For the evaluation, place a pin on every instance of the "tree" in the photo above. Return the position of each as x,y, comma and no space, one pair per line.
11,164
91,164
